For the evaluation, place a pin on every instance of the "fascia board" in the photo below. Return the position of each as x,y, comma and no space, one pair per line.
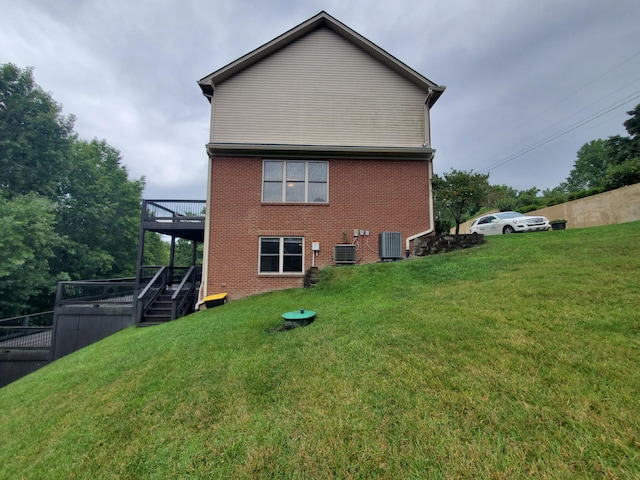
320,151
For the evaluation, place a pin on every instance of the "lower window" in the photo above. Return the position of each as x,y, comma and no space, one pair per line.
281,255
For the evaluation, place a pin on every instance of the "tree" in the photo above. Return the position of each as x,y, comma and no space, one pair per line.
501,197
35,138
156,252
590,167
620,149
99,214
627,173
625,154
460,192
26,247
183,256
632,125
92,209
554,196
608,164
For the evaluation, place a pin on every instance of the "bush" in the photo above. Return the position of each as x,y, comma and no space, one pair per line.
585,193
627,173
529,208
443,226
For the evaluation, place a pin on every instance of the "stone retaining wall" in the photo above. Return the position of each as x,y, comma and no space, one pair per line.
430,245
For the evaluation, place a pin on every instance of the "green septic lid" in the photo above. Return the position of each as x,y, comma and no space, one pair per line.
300,314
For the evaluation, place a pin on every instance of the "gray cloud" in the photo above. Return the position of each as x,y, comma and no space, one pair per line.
517,73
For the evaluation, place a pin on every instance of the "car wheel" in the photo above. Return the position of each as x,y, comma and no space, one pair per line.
508,229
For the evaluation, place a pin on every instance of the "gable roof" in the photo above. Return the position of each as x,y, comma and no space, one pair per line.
322,19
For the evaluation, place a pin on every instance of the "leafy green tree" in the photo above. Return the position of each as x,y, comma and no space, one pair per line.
632,125
501,197
27,247
607,164
621,148
35,138
627,173
460,192
99,214
93,209
624,154
554,196
183,255
590,167
156,252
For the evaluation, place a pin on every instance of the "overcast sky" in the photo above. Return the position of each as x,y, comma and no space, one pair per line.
528,82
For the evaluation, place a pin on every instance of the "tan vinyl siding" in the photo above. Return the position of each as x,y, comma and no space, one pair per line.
319,90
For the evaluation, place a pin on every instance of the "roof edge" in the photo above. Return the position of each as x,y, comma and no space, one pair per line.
320,151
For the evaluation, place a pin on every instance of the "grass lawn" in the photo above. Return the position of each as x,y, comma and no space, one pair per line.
519,358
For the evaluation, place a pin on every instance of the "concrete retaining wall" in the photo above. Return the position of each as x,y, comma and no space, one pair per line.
616,206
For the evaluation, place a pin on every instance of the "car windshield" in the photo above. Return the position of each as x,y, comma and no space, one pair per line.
508,215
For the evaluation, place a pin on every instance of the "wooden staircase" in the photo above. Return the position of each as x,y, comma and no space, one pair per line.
163,300
159,311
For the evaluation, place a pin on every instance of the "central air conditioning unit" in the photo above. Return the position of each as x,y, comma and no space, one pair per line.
390,245
344,253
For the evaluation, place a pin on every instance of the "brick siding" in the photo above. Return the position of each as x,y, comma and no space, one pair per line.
372,195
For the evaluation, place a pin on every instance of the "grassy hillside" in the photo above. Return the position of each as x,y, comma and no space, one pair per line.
517,358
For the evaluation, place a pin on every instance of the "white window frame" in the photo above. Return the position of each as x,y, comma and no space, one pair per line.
281,255
283,194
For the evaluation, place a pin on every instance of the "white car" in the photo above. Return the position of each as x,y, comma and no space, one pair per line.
509,222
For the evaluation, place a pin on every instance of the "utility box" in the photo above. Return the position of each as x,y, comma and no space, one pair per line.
390,245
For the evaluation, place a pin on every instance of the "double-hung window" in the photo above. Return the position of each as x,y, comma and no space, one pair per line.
281,255
295,181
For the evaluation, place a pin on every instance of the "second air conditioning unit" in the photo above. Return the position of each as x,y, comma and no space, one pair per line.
344,253
390,245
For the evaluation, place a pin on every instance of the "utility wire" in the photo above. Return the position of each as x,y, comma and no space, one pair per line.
550,127
561,133
615,67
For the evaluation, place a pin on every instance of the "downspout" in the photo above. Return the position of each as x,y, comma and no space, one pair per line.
427,134
203,291
431,223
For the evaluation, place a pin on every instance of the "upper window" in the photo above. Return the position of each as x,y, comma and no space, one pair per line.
294,181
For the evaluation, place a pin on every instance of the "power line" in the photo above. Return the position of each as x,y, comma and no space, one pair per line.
561,133
615,67
573,93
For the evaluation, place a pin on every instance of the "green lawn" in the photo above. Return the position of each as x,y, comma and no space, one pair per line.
514,359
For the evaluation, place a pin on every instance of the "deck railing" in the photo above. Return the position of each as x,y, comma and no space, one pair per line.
174,210
112,291
27,332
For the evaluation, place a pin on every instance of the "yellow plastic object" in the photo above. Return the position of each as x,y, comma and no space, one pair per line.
215,300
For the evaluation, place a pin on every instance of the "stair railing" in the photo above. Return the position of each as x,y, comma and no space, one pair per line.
150,292
184,293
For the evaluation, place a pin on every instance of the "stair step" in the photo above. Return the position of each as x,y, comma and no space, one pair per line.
156,318
149,324
161,304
